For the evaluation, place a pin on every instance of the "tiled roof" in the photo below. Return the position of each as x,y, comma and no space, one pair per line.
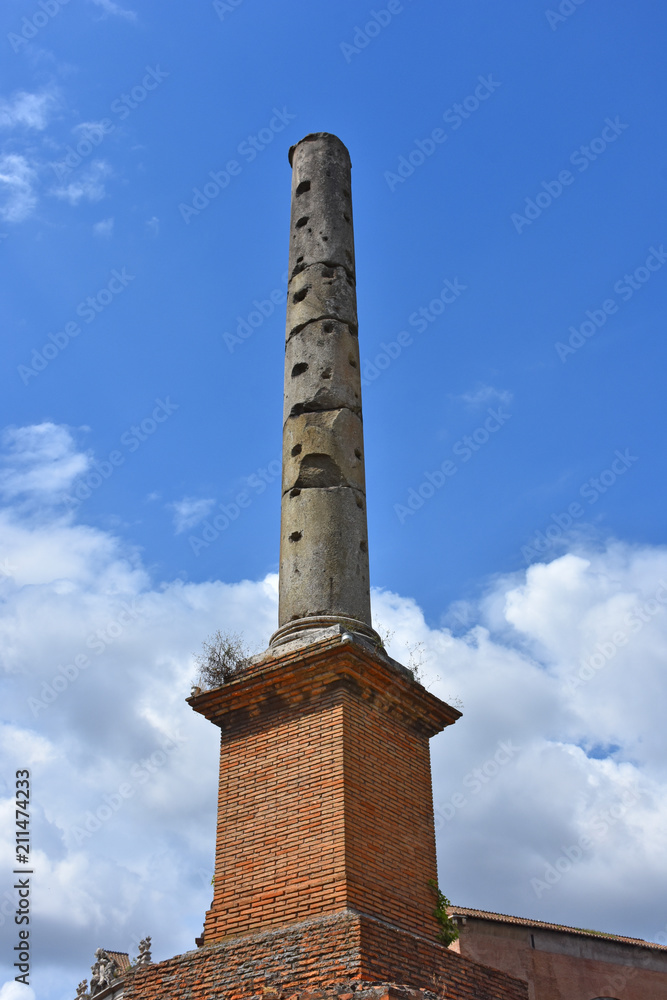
121,958
504,918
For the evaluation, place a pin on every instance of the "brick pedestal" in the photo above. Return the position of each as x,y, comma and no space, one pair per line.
326,841
325,799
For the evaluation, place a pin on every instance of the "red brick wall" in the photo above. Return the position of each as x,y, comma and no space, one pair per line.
389,829
563,966
322,957
389,954
325,810
280,848
325,795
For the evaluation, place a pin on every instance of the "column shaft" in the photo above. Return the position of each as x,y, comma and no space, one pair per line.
324,540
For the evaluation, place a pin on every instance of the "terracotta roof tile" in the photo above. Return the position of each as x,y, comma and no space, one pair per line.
505,918
121,958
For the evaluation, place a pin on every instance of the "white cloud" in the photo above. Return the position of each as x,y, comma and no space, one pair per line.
584,728
16,991
110,7
17,178
88,185
188,512
97,128
31,110
40,461
153,226
104,228
485,395
19,171
563,663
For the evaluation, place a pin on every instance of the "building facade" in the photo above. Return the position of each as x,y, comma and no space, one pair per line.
563,963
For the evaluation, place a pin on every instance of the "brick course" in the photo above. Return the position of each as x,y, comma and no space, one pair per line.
333,957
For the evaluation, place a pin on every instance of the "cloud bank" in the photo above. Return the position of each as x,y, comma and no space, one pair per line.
550,793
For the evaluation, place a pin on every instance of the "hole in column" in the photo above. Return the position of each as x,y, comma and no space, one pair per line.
326,373
319,472
328,327
328,272
346,193
362,545
299,259
357,452
352,362
303,187
302,221
295,536
296,450
325,239
345,216
295,493
300,295
299,369
360,503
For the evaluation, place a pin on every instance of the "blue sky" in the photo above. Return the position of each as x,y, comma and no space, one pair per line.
509,186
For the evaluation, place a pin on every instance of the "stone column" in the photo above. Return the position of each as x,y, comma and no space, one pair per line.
324,575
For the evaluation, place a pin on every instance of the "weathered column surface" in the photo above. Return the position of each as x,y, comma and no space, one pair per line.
324,542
